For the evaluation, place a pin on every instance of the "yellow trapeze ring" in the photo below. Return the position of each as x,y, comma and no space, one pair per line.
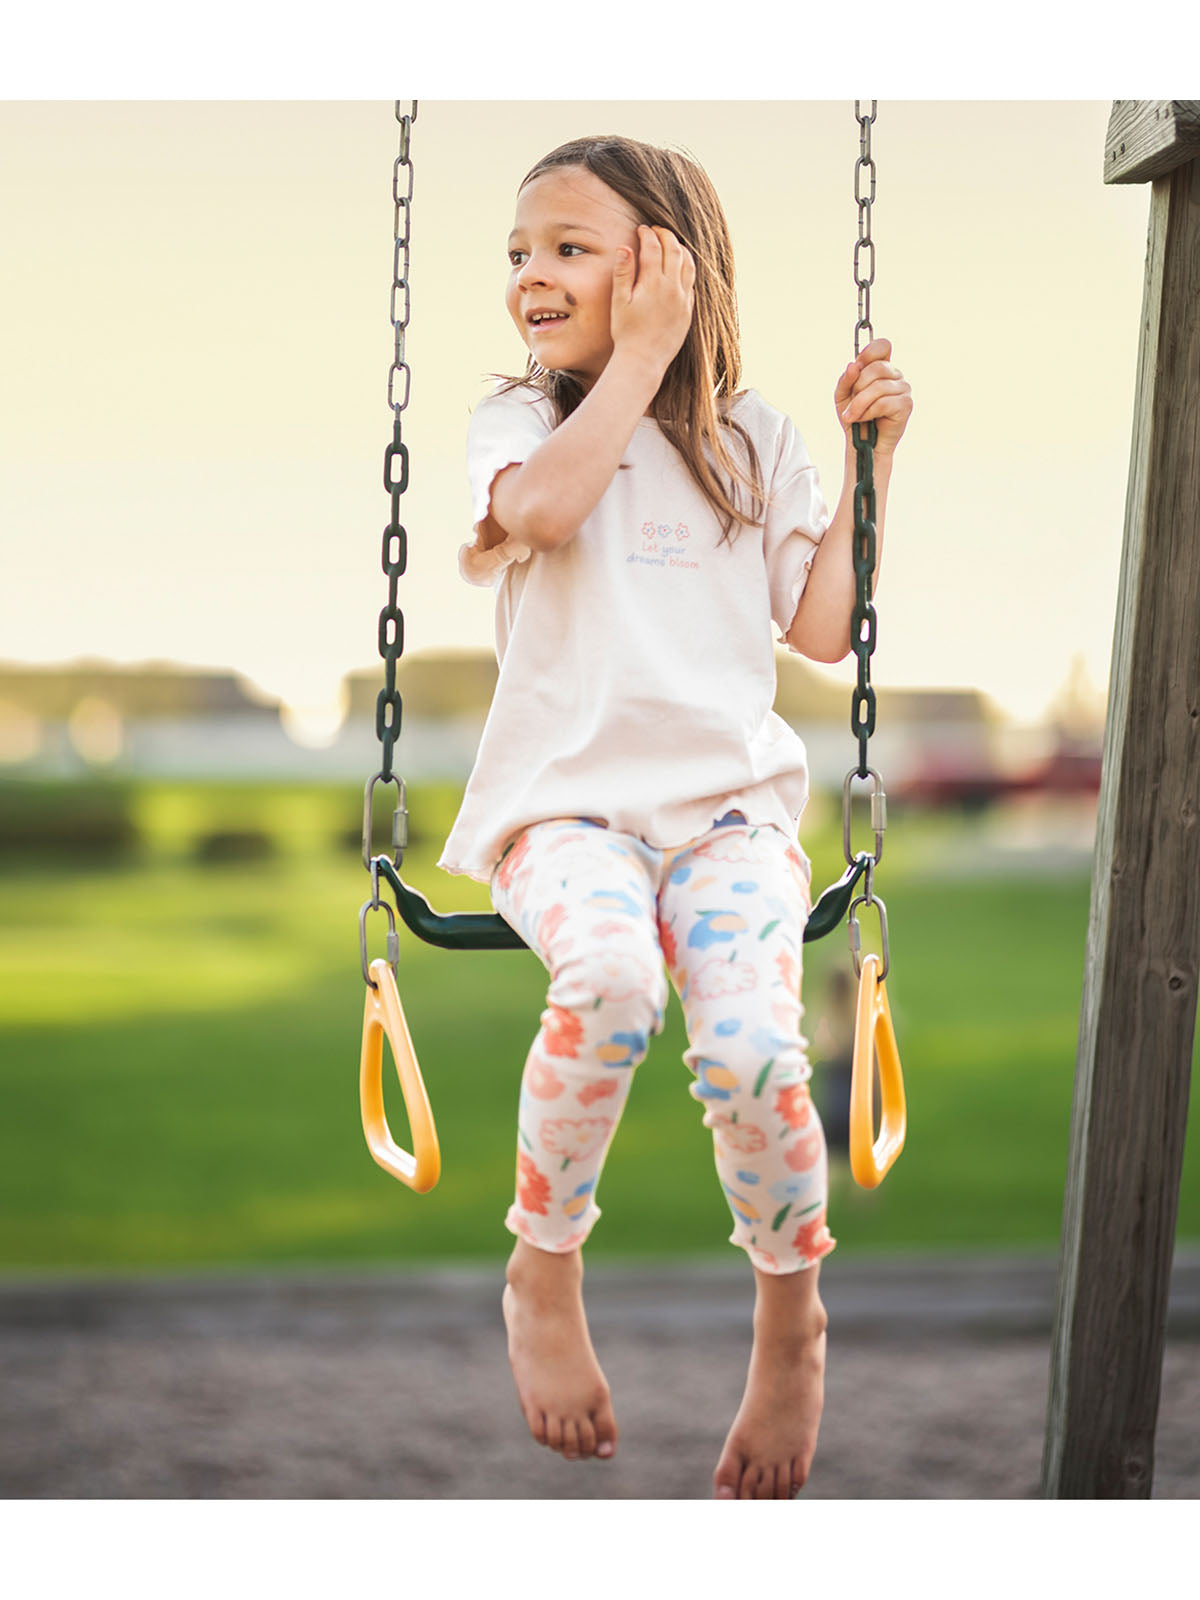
384,1014
874,1035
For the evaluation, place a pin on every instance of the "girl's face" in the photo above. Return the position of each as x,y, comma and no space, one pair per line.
563,251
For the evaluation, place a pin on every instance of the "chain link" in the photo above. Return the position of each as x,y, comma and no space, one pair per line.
389,707
863,626
863,622
864,165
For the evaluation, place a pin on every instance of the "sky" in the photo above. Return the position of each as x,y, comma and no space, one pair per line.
194,347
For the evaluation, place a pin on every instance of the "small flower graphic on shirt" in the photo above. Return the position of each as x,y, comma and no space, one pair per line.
575,1139
681,531
562,1032
723,977
533,1187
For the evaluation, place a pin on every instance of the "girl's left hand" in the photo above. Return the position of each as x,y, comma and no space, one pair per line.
872,389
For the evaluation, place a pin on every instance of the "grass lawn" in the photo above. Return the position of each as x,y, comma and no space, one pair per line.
180,1052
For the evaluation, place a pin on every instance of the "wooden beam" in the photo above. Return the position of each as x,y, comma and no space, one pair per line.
1138,1011
1150,138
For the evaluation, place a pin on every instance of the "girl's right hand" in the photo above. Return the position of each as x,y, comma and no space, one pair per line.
652,298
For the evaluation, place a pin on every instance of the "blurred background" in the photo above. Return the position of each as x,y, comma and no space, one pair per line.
195,345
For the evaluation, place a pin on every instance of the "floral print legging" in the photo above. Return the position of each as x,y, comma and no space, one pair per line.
604,910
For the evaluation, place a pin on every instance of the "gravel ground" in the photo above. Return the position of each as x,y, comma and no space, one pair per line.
396,1386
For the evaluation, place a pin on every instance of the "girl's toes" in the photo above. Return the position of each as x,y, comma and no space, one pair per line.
587,1437
570,1441
537,1425
606,1433
766,1484
727,1479
554,1432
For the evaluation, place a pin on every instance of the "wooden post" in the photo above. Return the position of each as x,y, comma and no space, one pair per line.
1138,1011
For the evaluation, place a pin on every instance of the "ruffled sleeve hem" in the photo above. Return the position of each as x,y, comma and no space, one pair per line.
486,567
798,585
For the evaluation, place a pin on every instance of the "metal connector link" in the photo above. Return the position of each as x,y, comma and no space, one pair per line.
878,813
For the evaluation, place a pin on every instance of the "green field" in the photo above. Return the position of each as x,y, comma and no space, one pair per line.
180,1045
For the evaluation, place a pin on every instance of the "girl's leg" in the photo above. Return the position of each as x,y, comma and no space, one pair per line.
582,898
732,913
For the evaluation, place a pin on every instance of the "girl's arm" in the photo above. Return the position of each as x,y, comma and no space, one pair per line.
543,501
870,388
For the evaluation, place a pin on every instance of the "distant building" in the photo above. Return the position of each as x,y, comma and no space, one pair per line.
153,718
160,719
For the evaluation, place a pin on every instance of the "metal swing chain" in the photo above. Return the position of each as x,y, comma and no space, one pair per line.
389,708
863,621
862,710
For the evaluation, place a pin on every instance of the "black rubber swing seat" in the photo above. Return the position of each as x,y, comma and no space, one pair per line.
487,930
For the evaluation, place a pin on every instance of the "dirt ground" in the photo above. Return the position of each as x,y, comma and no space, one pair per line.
396,1385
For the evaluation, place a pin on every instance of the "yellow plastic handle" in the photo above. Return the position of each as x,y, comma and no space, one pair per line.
874,1036
384,1014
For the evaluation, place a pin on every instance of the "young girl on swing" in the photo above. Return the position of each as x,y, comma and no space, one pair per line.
634,800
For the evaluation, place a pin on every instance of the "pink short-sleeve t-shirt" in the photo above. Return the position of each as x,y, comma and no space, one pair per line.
637,663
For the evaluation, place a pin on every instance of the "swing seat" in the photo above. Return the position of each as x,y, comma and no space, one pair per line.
874,1036
486,930
384,1014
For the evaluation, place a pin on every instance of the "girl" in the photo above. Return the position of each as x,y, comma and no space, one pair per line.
634,798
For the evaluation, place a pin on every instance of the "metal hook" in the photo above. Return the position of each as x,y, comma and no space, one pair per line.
856,936
399,820
393,941
878,811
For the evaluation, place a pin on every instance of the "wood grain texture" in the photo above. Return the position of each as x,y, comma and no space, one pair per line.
1149,138
1138,1011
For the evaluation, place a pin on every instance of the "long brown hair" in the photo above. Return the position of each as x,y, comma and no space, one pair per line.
667,189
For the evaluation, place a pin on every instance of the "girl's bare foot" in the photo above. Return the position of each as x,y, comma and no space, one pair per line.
774,1435
561,1388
